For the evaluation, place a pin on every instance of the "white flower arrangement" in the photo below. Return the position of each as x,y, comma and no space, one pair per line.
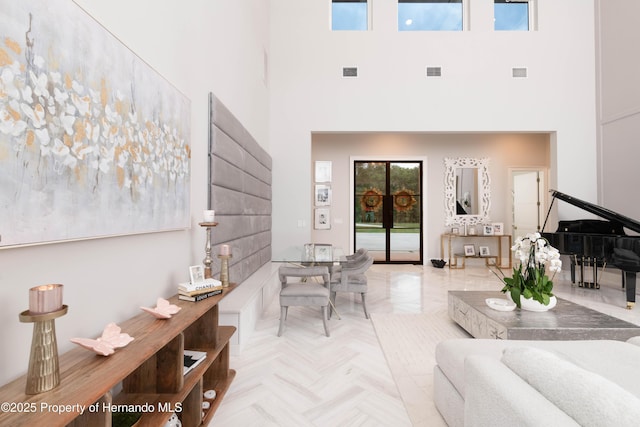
529,277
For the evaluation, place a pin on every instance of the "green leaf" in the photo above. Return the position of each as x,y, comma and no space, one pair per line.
515,296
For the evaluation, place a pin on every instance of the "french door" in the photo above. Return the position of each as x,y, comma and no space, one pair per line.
388,210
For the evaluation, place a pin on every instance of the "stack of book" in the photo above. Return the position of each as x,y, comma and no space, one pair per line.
199,291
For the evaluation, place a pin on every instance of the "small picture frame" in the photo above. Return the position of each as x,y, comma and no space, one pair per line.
323,171
322,219
488,230
323,195
498,228
472,231
196,273
455,230
469,250
322,253
484,251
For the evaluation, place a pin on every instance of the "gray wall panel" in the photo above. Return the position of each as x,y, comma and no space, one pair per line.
240,192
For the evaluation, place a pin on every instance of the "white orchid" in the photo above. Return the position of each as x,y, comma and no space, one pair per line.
529,278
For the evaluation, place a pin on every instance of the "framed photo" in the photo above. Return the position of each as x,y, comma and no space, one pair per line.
323,195
322,253
323,171
469,250
498,228
488,230
322,219
196,272
455,230
484,251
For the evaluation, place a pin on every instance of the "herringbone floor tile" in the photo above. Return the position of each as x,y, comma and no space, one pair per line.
304,378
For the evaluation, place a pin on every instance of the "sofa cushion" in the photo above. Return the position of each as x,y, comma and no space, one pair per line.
588,398
498,397
634,341
617,361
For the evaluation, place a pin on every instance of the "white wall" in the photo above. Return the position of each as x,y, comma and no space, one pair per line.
503,150
619,106
199,46
475,94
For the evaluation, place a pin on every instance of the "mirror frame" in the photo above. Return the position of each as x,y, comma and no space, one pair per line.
484,190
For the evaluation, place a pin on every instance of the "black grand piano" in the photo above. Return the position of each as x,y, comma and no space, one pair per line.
594,244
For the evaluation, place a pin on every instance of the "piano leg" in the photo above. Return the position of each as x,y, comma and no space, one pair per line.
630,286
574,261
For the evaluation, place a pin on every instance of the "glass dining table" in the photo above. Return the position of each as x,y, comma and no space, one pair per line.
312,254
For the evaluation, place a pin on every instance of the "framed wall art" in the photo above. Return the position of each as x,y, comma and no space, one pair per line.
95,142
323,195
323,171
322,219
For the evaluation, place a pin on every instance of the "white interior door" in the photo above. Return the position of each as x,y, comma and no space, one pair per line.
528,188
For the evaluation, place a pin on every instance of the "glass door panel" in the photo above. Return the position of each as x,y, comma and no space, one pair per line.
387,206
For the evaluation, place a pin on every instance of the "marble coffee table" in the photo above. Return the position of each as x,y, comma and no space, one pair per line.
566,321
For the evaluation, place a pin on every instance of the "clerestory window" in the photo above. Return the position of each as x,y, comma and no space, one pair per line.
349,15
430,15
511,15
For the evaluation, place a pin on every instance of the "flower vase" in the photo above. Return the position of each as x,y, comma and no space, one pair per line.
530,304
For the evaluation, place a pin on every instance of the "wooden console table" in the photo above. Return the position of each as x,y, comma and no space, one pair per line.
447,240
150,369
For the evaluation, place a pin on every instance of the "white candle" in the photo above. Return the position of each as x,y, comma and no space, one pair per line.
209,215
225,250
45,298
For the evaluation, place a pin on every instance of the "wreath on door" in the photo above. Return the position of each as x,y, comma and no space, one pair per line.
403,200
371,202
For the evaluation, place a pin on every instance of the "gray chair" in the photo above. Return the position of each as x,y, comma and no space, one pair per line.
352,259
357,255
304,292
351,278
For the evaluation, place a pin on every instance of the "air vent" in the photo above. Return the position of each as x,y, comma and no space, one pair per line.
434,71
349,71
519,72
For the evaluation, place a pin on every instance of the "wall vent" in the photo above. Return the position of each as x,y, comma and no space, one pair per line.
434,71
349,71
519,72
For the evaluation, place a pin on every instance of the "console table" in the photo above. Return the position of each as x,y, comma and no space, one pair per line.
150,369
447,240
566,321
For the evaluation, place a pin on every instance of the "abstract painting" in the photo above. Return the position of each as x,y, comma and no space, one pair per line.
93,141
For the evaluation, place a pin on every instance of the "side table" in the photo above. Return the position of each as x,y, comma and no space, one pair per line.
447,239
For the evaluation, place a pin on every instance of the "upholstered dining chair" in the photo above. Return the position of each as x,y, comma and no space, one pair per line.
352,278
304,292
352,259
357,255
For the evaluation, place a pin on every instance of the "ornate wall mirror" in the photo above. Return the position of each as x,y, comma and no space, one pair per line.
467,194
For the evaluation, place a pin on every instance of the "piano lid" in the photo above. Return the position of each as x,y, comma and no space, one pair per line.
605,213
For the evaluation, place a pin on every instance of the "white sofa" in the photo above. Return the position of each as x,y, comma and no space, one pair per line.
482,382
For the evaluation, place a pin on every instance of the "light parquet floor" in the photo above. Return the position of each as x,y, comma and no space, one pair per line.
307,379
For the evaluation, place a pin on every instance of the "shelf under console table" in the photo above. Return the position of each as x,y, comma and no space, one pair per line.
150,370
456,260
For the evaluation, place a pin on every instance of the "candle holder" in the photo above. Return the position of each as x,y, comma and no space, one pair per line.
224,269
207,261
44,370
